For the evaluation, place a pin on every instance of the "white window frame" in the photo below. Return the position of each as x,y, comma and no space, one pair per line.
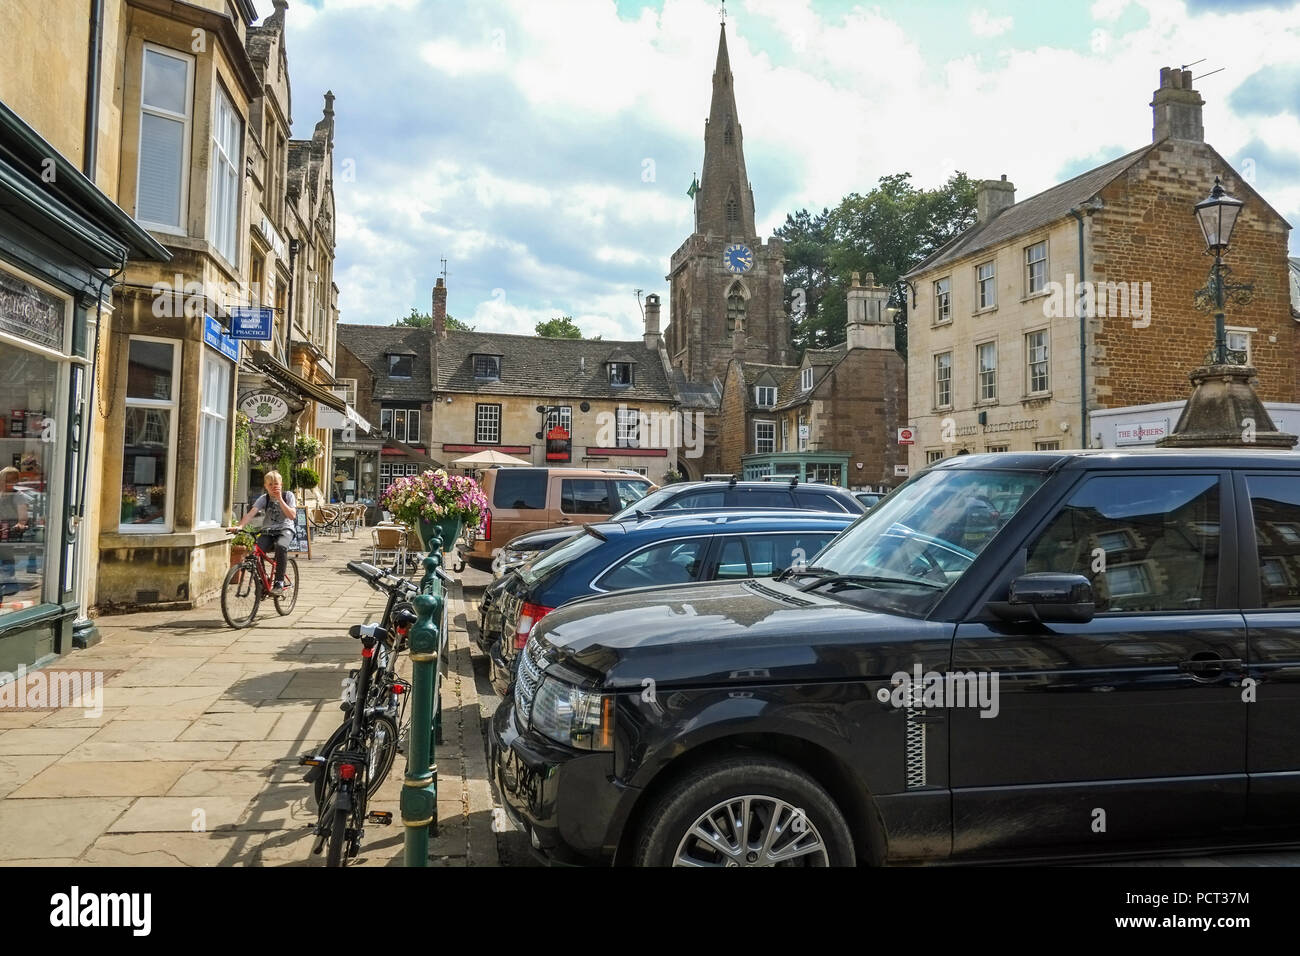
758,426
220,229
206,472
785,434
981,305
490,421
627,427
938,391
806,380
802,438
943,300
1030,263
173,406
980,371
349,386
1049,445
932,455
1045,362
561,415
631,374
764,390
996,449
388,414
187,119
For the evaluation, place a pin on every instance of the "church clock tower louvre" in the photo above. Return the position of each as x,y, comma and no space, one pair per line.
727,290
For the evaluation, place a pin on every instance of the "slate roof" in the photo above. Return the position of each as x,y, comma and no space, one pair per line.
1295,284
372,343
533,365
1032,213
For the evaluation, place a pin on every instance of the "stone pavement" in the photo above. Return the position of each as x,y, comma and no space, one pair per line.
193,760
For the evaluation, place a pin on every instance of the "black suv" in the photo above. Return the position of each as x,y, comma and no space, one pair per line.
1013,656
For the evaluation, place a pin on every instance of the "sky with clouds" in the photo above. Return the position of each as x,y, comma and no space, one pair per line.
544,147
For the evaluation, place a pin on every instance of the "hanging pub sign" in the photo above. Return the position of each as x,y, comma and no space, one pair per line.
559,445
264,408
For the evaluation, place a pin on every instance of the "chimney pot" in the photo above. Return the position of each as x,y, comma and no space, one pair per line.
1176,108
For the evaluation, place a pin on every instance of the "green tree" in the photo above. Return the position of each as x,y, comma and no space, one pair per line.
560,327
423,320
886,232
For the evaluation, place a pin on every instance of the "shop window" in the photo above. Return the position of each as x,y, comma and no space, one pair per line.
214,438
27,406
149,435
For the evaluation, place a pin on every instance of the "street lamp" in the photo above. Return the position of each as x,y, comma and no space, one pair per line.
1217,215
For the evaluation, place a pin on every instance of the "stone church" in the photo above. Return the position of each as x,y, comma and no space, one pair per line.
828,415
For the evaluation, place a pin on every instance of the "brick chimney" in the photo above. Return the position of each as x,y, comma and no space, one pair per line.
870,325
652,340
1177,108
992,196
440,309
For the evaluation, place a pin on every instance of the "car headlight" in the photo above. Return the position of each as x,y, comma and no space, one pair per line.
573,716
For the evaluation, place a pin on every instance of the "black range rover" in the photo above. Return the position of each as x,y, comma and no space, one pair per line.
1012,656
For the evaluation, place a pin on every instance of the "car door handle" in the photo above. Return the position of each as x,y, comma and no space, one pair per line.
1211,665
566,521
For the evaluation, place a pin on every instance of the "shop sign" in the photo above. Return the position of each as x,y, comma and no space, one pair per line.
1141,433
264,408
30,312
906,436
213,336
251,323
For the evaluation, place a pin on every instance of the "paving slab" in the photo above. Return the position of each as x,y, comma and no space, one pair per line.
186,815
105,779
237,727
55,828
138,750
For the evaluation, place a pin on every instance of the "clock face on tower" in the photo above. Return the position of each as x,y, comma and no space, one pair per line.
737,258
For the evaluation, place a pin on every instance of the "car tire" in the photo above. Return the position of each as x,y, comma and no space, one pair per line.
776,789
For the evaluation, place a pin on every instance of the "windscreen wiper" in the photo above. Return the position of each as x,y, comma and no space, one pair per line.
801,572
865,579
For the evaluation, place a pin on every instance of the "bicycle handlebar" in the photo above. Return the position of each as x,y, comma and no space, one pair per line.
375,577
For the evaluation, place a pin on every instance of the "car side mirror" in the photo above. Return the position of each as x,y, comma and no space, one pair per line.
1050,597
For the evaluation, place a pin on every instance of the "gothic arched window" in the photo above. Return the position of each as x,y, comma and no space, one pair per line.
735,310
733,213
727,136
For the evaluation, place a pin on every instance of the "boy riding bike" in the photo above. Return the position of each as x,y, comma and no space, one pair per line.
278,508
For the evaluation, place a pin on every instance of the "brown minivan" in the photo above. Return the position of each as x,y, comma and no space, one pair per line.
530,499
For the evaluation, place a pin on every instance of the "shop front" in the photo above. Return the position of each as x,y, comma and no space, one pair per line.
60,241
827,467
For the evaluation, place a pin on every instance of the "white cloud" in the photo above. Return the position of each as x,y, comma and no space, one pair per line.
984,24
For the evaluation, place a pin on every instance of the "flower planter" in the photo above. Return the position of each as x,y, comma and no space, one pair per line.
449,528
237,554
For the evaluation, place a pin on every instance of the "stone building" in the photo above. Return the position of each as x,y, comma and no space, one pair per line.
181,98
63,238
724,280
1083,297
834,416
828,415
440,394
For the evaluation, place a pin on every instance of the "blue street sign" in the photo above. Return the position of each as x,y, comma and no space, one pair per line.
214,337
251,322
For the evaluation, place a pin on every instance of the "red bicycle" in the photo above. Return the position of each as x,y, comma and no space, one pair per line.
251,580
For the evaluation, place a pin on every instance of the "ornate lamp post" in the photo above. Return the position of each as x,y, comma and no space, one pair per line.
1224,410
1217,215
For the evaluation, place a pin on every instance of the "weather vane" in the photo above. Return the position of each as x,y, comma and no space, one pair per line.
723,12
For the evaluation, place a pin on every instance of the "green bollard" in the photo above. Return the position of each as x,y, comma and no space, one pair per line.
419,802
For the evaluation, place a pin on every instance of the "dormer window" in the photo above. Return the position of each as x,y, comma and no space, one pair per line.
399,365
765,395
487,367
805,380
620,374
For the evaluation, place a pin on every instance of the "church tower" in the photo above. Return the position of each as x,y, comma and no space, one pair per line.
726,286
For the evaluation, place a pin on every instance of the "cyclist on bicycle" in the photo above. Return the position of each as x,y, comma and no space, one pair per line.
278,508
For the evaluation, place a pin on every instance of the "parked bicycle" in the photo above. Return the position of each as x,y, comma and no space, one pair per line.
251,580
349,767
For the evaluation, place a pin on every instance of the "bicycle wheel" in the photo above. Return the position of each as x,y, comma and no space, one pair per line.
335,854
284,602
241,593
381,745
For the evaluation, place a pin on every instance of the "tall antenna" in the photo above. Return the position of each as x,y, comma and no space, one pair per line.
444,271
638,302
723,13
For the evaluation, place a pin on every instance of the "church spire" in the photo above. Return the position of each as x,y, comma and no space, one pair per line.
724,205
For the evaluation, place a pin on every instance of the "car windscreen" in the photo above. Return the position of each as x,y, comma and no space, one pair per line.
556,558
919,541
648,503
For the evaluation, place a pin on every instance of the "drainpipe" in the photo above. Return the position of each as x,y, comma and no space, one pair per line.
1086,437
90,150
